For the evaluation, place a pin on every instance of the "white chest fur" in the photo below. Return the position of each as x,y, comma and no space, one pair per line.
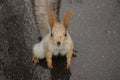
63,49
40,48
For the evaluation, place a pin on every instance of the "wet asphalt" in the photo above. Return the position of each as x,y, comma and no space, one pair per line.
95,30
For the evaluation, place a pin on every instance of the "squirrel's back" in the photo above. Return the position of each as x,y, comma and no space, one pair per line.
40,7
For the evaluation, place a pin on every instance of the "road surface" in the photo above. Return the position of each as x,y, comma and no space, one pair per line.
95,30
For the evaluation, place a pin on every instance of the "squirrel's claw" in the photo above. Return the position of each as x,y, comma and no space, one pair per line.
74,52
50,66
35,60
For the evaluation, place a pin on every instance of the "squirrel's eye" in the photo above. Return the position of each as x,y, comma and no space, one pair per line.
51,35
65,34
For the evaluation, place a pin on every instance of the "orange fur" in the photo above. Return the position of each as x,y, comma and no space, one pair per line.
67,18
49,59
51,18
69,58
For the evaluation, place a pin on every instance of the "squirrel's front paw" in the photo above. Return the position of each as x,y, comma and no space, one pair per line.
68,64
35,60
50,66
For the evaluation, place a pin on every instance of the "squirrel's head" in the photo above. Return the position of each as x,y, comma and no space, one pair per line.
59,29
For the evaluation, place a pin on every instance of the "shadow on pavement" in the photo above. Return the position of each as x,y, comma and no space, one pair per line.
59,71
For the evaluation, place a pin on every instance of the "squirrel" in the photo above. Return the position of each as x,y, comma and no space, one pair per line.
56,39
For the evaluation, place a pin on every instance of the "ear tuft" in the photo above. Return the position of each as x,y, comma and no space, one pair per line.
67,17
51,18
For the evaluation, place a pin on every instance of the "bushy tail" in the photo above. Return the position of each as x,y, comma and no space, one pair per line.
40,7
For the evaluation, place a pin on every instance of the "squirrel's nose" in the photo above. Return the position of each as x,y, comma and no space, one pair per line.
58,43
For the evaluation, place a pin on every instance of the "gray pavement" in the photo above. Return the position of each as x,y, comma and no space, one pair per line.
94,27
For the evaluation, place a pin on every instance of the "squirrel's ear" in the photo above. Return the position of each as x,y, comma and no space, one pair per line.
51,18
67,17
